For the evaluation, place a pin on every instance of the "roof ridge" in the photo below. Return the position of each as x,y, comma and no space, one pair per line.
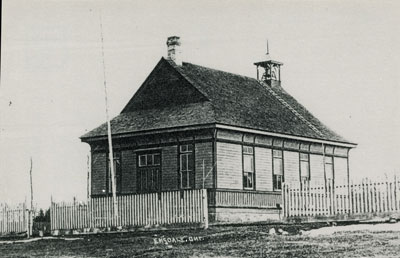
294,111
221,71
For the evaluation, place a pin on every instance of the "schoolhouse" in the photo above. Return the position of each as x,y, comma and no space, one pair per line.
191,127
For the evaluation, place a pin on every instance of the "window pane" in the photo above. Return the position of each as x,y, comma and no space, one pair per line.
190,161
183,148
157,179
250,180
248,163
304,169
149,159
156,159
247,150
184,163
277,154
278,168
142,160
277,182
186,160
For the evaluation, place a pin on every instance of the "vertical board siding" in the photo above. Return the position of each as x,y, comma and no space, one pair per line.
366,197
13,219
169,177
203,152
263,160
128,170
99,167
183,207
229,164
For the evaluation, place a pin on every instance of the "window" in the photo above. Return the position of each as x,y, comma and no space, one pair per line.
329,168
186,165
117,171
248,167
149,172
146,160
277,157
304,167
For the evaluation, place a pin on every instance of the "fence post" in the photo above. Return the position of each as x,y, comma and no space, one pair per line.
284,202
205,208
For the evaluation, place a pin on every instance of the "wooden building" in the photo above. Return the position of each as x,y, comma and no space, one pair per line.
191,127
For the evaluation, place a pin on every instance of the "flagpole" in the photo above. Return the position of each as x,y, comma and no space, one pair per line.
110,147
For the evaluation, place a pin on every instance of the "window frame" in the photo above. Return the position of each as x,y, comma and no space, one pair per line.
329,158
278,179
146,156
307,161
153,184
245,174
186,150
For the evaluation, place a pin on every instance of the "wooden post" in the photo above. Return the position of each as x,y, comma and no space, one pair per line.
88,177
284,200
30,219
205,208
396,207
204,179
110,147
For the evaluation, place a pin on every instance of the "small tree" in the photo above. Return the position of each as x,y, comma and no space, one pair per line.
42,216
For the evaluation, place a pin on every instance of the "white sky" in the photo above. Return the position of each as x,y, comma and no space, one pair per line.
341,60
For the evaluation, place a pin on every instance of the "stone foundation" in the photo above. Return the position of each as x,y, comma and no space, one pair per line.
239,215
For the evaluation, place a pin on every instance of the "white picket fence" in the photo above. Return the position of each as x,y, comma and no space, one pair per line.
137,210
366,197
14,219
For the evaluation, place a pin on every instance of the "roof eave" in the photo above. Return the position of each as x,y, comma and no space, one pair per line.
148,132
282,135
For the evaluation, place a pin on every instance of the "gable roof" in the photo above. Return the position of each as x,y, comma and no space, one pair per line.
213,96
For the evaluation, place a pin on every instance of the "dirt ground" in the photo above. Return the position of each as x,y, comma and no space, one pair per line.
226,241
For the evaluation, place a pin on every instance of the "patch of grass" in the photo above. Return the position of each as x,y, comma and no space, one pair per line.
222,241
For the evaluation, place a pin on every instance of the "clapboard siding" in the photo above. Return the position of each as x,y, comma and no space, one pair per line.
340,167
170,168
99,163
229,165
263,166
291,167
128,162
317,169
203,152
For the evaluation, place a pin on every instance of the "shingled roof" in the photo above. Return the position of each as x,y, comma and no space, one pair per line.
207,96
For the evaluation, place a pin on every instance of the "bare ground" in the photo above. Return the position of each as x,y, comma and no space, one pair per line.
227,241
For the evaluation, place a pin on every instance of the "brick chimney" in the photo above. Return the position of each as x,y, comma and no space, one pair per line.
174,49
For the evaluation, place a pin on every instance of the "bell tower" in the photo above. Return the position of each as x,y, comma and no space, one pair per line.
269,71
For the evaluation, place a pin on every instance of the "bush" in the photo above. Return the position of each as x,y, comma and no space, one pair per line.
42,216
